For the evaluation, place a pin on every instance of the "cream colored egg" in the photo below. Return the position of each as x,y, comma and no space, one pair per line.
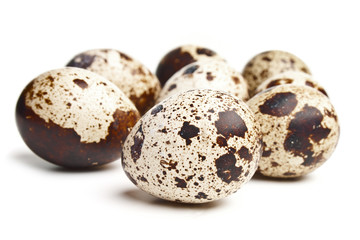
206,74
300,129
194,147
267,64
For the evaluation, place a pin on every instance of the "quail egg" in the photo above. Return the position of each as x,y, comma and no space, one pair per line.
300,129
290,77
131,76
194,147
74,118
206,74
267,64
181,56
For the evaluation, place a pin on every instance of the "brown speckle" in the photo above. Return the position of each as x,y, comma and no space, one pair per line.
181,183
188,131
81,83
304,126
281,104
230,124
226,169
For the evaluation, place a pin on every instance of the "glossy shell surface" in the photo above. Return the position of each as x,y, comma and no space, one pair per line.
195,147
74,118
300,129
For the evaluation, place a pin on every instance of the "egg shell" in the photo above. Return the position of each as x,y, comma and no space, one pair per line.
131,76
74,118
193,147
300,129
181,56
269,63
206,74
291,77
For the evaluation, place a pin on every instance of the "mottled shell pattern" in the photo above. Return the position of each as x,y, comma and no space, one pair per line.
181,56
131,76
75,118
300,129
206,74
193,147
291,77
267,64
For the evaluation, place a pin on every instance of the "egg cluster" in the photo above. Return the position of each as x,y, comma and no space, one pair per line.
194,132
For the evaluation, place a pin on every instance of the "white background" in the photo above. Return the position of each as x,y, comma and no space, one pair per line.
41,201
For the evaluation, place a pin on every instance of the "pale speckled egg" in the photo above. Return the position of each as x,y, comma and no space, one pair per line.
74,118
193,147
181,56
131,76
269,63
290,77
300,129
206,74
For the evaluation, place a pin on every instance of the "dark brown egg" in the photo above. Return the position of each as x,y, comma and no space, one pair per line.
179,57
74,118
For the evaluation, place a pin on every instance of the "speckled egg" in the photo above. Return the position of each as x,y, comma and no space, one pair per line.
181,56
267,64
131,76
74,118
206,74
290,77
300,129
193,147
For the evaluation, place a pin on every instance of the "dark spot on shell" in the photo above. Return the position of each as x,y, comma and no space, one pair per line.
190,70
235,79
211,110
48,101
157,109
245,154
172,86
322,91
266,58
138,144
201,195
82,61
305,70
230,124
289,174
209,76
306,125
168,164
274,164
163,130
171,63
142,178
81,83
188,131
310,84
201,178
181,183
279,81
205,51
226,169
266,153
281,104
221,141
124,56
